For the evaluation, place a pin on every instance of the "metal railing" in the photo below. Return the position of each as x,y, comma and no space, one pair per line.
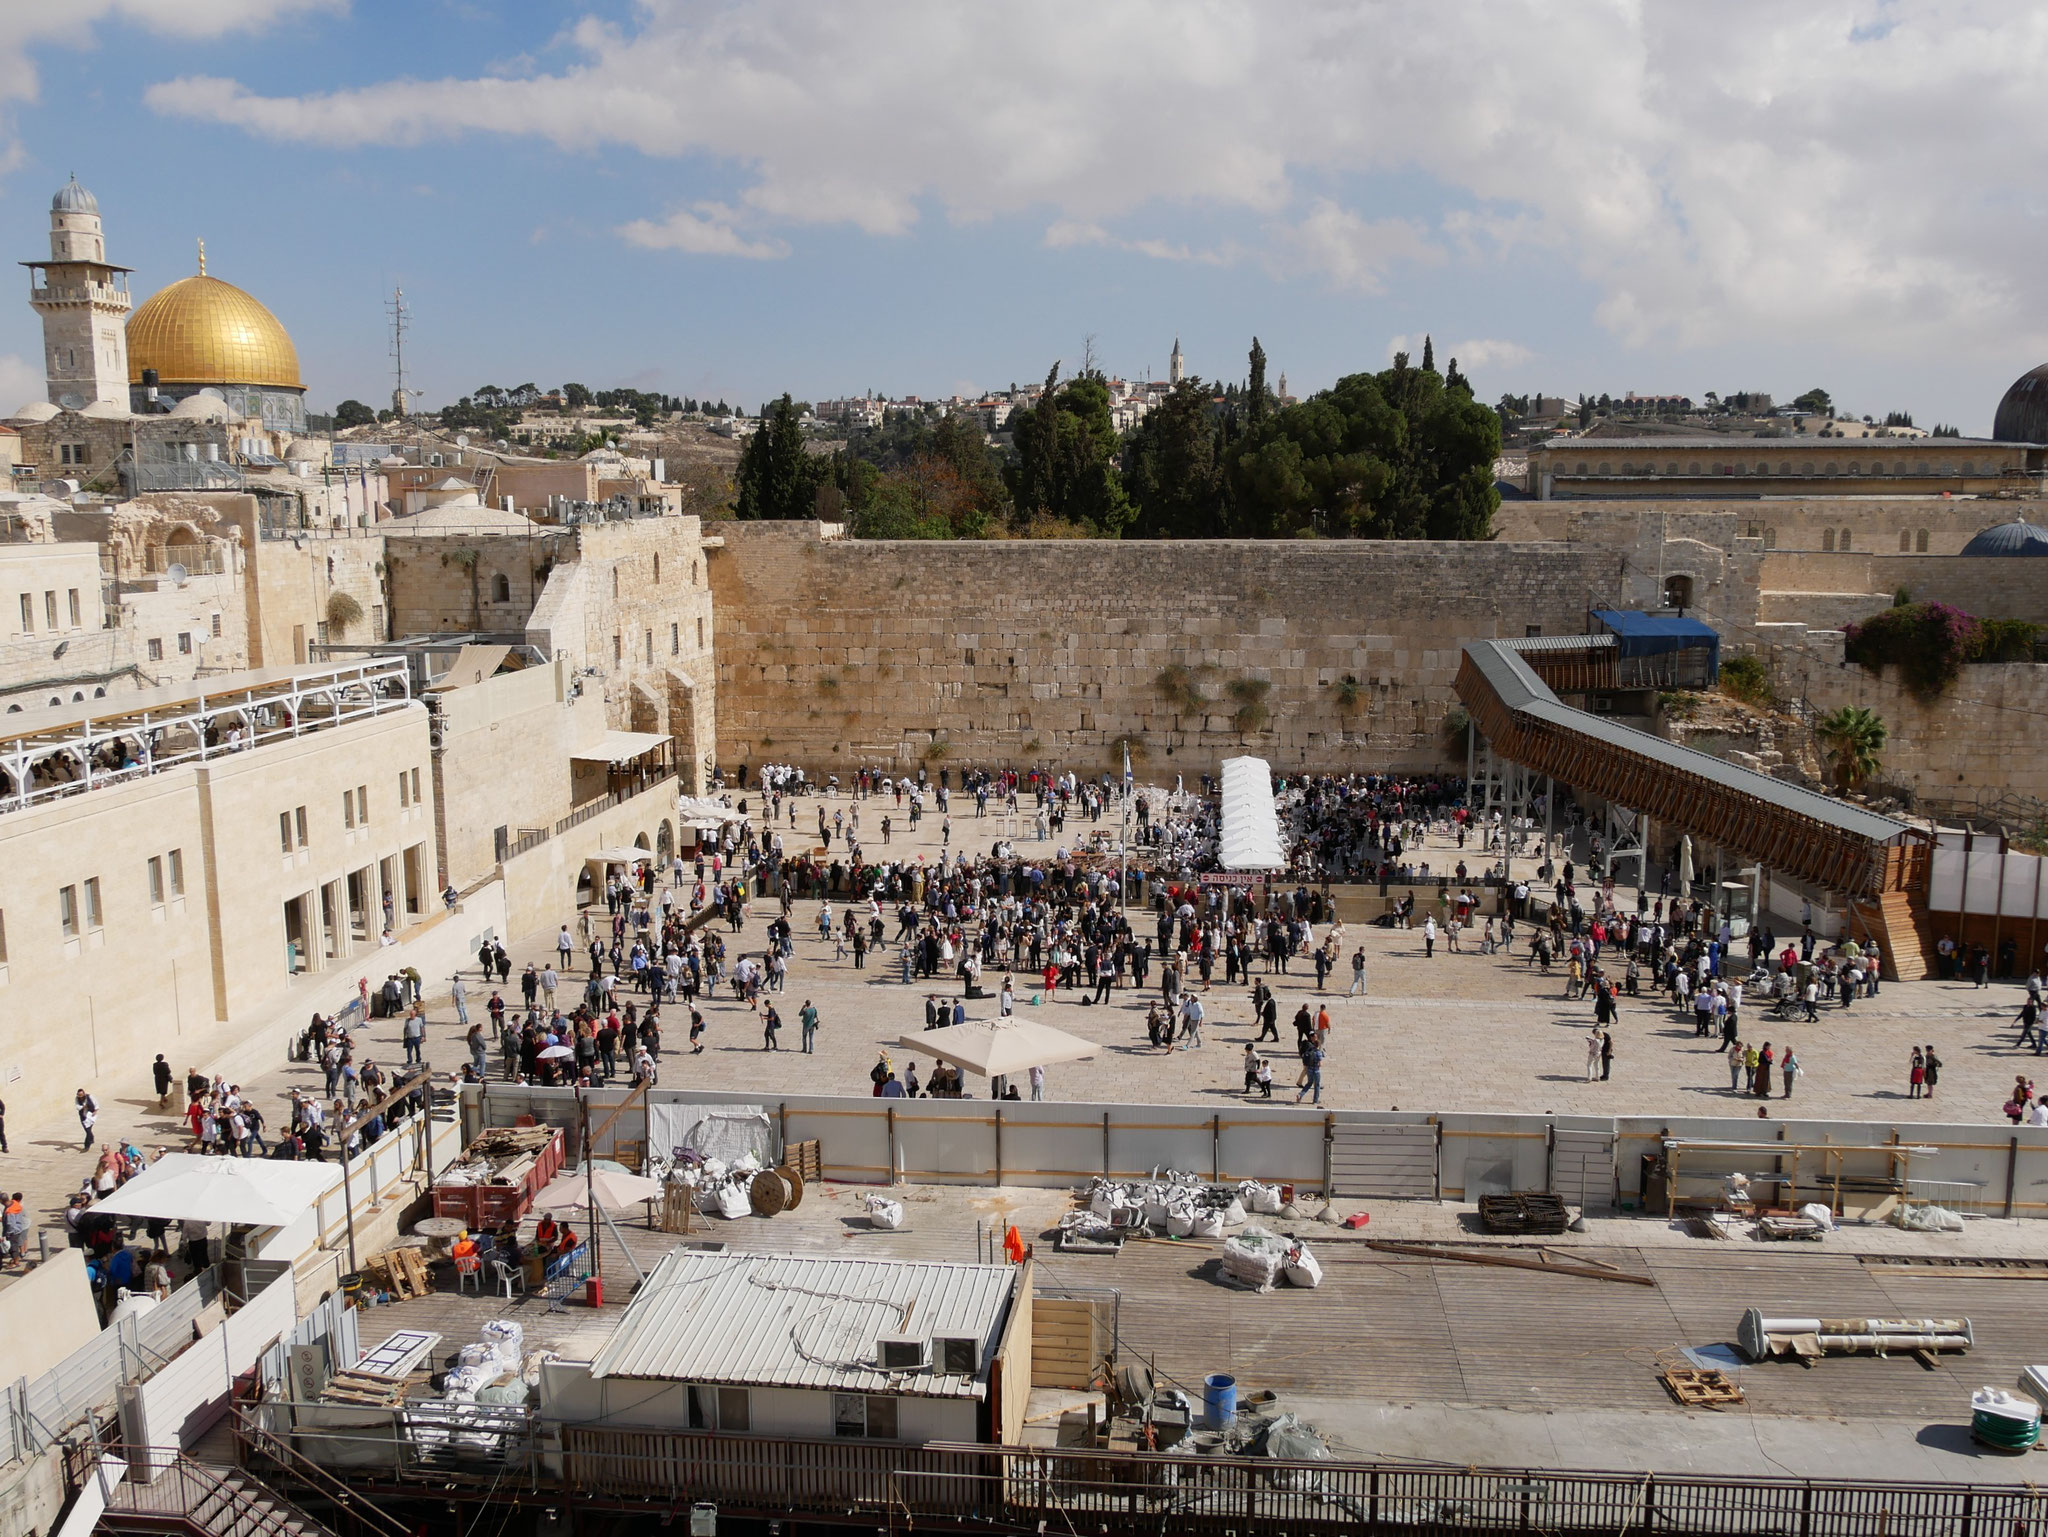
181,1494
651,779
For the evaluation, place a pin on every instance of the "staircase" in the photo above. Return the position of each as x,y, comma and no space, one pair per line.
190,1498
1902,931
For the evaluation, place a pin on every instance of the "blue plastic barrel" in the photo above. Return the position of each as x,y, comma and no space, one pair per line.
1219,1401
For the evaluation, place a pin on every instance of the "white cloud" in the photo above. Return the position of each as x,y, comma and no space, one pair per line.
20,381
1488,352
707,232
1746,173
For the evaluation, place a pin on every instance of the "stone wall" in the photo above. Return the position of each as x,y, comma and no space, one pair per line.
836,652
1874,523
1855,586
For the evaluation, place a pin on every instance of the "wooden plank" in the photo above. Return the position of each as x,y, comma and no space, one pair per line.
1506,1261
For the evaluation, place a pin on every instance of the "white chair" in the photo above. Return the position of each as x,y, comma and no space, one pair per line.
510,1277
469,1272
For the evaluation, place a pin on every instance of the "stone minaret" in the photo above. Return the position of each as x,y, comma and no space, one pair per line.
1176,366
84,302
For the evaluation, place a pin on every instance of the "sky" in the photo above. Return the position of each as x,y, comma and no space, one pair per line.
733,200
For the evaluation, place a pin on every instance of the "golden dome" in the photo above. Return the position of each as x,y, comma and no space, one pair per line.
200,330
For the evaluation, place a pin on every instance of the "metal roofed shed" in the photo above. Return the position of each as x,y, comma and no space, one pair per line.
1667,649
621,747
802,1347
1250,837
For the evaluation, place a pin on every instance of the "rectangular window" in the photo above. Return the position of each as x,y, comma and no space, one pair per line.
404,791
156,883
216,625
92,904
700,635
76,612
28,614
650,648
3,939
618,651
348,809
415,787
735,1413
156,648
67,910
177,864
50,609
284,830
301,817
675,640
362,805
871,1416
184,643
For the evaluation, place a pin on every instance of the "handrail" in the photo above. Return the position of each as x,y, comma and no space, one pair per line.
365,1514
256,1512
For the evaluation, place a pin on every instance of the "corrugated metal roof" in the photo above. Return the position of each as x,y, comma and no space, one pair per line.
1562,643
1515,683
760,1320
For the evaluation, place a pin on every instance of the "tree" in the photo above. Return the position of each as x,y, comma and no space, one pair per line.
1855,739
1816,402
1171,467
1066,457
1255,387
1428,355
576,396
778,477
353,413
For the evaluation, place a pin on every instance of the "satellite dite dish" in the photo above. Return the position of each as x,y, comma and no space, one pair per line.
176,573
71,402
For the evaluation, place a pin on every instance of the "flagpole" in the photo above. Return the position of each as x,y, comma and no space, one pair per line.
1123,884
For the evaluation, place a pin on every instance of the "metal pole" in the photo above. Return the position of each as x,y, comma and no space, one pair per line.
589,1185
348,1199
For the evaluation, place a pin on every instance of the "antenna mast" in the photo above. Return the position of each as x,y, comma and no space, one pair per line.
401,397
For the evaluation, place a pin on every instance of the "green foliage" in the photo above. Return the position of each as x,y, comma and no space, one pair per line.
1349,694
1902,596
1678,703
936,750
1456,731
353,413
1747,678
1249,695
1818,402
576,396
778,477
342,610
1401,454
1066,457
2006,640
1927,642
1855,739
914,479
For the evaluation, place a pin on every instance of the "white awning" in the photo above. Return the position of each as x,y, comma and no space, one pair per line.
621,747
256,1192
1251,826
699,812
999,1048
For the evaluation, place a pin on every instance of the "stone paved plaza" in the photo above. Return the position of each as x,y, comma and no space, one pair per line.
1452,1032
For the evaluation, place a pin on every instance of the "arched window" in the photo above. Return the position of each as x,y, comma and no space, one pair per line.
1905,541
1693,468
1920,542
99,693
1827,540
1678,592
501,588
14,709
1784,466
1763,469
1770,538
1582,466
1843,542
78,696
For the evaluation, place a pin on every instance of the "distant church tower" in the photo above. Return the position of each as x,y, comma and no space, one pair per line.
1176,366
84,302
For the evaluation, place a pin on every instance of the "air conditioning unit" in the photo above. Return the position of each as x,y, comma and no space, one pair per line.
958,1355
903,1352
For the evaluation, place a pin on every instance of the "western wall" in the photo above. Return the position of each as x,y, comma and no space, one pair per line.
1320,654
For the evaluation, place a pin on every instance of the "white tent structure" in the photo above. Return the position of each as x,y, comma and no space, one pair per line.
696,811
249,1192
1250,838
999,1048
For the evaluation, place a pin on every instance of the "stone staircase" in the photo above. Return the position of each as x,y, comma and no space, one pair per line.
190,1498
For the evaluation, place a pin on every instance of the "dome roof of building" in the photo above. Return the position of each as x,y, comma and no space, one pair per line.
468,515
2023,413
205,407
105,410
72,198
200,330
2018,537
34,411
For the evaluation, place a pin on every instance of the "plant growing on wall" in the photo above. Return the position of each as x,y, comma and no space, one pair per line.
1249,695
1854,738
1748,678
936,750
1179,687
1456,730
1927,642
342,611
1350,693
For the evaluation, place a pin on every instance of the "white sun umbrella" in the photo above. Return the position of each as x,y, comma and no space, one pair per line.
556,1053
999,1048
253,1192
1685,863
622,855
613,1189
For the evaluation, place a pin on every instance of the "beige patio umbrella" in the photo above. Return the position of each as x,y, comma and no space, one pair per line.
999,1048
607,1187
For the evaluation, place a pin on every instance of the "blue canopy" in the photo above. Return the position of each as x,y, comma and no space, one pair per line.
1640,634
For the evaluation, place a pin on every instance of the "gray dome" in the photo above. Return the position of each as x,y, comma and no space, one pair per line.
2023,413
72,198
2018,537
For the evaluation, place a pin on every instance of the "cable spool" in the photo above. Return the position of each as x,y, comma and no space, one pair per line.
768,1195
795,1181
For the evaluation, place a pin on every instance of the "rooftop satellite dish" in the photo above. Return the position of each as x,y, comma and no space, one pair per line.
177,574
462,440
71,402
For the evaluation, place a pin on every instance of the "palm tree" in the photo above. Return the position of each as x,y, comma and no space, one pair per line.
1855,739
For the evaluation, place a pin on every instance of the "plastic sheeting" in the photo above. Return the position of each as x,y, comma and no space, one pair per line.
728,1132
1251,824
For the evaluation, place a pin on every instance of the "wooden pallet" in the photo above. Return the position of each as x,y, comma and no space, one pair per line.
369,1389
1524,1211
808,1159
402,1272
1698,1387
